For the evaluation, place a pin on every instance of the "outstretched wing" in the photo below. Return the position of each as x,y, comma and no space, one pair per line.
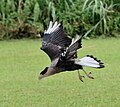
54,40
76,44
71,50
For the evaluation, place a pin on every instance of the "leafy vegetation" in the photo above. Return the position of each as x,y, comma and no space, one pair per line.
21,61
25,18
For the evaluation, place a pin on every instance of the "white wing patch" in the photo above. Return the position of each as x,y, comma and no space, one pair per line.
75,40
52,27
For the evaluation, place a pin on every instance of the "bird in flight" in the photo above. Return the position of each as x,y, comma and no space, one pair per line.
62,51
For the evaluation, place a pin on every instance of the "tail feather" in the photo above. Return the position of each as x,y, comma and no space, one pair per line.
90,61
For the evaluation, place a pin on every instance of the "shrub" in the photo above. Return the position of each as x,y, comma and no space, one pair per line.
92,18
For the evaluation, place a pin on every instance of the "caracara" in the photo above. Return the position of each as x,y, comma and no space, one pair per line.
62,51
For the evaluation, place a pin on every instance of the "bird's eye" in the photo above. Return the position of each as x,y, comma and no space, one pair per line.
44,43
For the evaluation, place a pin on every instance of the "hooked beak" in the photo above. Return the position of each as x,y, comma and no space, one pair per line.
42,74
40,77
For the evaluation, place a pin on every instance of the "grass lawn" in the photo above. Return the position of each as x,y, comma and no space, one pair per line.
21,61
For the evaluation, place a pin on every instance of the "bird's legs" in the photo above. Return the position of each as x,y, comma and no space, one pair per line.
80,76
89,75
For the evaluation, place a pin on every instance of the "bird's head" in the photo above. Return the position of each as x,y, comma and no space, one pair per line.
42,74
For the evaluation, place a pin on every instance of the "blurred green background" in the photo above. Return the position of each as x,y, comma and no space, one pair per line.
21,61
93,18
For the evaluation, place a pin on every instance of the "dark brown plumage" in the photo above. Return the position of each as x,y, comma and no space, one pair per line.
62,51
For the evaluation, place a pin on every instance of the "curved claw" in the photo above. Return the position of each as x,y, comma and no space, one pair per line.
81,78
90,75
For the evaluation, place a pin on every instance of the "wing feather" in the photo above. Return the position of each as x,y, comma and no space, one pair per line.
75,44
54,40
71,51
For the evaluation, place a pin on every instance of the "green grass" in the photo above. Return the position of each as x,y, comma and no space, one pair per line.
21,62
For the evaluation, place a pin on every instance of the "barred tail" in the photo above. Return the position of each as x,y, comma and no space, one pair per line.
90,61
